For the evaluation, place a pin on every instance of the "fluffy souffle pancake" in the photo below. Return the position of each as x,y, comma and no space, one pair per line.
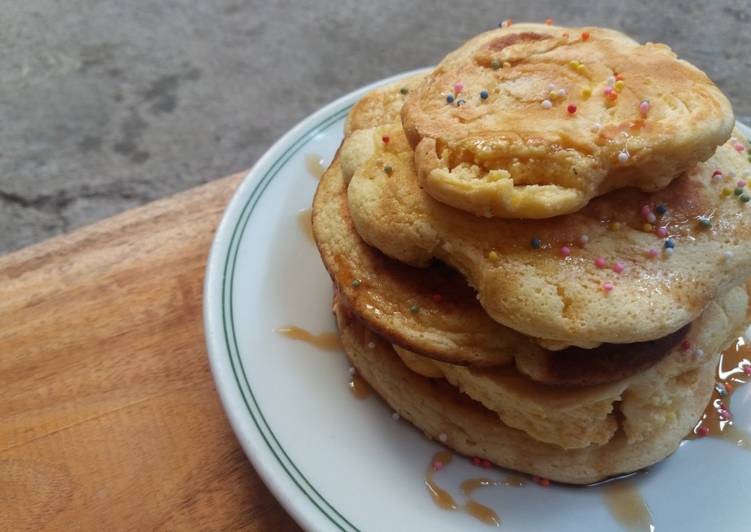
433,311
575,417
532,121
428,310
629,267
442,411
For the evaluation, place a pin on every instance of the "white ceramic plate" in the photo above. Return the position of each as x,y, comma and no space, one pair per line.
338,463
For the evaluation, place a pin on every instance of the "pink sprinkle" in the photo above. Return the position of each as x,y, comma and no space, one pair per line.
716,173
685,345
600,262
702,431
652,252
618,267
437,465
740,147
724,414
644,107
662,232
458,87
741,183
646,211
565,251
607,90
607,287
747,369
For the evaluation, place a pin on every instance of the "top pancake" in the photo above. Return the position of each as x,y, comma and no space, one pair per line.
539,277
520,150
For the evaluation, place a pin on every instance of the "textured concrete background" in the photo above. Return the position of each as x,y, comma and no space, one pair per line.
107,104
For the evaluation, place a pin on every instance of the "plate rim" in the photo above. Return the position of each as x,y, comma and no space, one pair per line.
301,505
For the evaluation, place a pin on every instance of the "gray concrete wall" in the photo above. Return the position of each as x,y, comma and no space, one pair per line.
108,104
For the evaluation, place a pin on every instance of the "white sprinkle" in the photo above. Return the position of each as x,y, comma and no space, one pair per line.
623,156
561,92
728,255
443,437
596,127
547,104
668,251
584,239
551,87
371,345
731,174
352,370
395,416
611,81
699,353
717,177
651,218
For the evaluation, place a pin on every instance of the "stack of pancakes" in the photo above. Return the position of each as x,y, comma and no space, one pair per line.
539,248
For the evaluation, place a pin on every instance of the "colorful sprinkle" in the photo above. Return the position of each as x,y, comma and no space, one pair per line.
562,92
571,108
586,93
565,251
647,228
669,243
484,95
607,91
404,90
741,183
747,369
644,107
385,139
585,36
600,262
726,191
476,461
705,222
437,465
506,64
668,252
702,431
699,353
536,243
727,255
584,240
449,98
623,156
460,102
485,464
615,226
618,267
740,147
414,309
611,81
506,23
651,218
645,211
544,482
443,437
662,232
458,87
618,86
547,104
652,253
685,345
495,64
356,283
607,286
745,198
738,191
388,170
493,256
661,209
548,21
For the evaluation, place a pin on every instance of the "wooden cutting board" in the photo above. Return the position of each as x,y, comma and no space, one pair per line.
109,419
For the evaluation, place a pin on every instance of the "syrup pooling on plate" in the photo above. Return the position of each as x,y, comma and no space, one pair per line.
305,222
359,387
733,370
325,340
627,506
315,165
443,498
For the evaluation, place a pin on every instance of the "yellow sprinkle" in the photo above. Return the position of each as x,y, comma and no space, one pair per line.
647,228
618,86
493,256
726,191
615,226
506,65
586,93
581,68
574,64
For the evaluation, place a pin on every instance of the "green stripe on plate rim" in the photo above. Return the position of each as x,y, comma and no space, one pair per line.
233,350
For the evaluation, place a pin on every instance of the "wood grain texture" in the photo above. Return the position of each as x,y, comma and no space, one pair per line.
109,418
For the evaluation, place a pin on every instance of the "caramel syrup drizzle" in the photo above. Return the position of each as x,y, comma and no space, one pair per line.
359,387
717,421
328,341
305,223
315,165
627,506
443,498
